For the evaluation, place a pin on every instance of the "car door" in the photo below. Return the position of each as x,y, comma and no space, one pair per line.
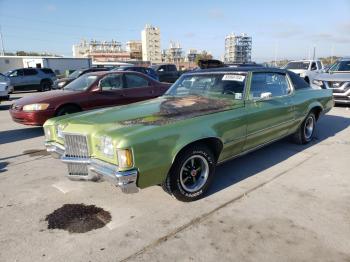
138,88
16,78
31,78
270,112
110,91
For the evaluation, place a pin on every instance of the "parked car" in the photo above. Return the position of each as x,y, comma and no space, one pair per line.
306,69
337,79
166,72
5,87
250,64
144,70
24,79
89,91
176,140
62,82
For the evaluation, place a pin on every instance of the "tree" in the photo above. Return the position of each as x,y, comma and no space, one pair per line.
203,56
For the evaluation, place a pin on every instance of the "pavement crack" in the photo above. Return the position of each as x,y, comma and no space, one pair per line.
204,216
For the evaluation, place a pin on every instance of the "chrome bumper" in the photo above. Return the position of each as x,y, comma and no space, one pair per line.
97,170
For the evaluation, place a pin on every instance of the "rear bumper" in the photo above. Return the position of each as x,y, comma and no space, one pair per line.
96,170
36,118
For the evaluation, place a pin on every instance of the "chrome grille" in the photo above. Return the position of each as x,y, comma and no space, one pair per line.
76,146
77,169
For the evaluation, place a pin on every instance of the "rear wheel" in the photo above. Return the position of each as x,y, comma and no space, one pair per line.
305,132
191,173
68,109
45,85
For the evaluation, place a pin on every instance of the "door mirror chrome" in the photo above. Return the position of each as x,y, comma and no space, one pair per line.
266,95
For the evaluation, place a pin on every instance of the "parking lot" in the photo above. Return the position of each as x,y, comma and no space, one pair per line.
284,202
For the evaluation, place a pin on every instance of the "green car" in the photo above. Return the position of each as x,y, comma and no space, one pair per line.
205,118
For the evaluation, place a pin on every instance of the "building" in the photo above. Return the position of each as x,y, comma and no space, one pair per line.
238,48
101,51
174,54
151,50
134,47
191,55
60,65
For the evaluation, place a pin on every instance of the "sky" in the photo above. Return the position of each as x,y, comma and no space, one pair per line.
281,29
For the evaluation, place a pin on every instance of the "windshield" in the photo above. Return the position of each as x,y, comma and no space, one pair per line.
222,85
75,74
297,65
3,78
81,83
340,66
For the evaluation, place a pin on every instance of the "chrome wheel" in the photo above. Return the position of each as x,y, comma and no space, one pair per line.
194,173
309,127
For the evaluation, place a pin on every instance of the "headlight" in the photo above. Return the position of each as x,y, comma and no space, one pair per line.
106,146
125,159
317,82
61,84
302,74
47,132
35,107
59,129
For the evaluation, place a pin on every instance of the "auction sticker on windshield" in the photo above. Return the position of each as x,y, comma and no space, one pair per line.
231,77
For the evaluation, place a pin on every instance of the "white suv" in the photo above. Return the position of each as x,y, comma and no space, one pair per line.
306,69
5,87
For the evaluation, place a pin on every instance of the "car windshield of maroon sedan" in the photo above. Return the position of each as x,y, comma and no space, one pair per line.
75,74
81,83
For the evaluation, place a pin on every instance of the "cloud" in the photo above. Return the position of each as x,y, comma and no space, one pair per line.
330,38
51,8
216,14
288,33
190,34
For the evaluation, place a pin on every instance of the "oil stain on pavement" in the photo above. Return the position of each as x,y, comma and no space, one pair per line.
78,218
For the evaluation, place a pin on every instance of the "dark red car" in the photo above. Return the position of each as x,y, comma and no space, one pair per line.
90,91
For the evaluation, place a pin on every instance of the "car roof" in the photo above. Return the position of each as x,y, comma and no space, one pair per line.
239,69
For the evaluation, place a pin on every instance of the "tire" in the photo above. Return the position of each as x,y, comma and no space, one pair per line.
191,174
45,85
306,130
68,109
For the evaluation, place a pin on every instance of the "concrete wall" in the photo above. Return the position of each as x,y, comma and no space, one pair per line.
10,63
58,64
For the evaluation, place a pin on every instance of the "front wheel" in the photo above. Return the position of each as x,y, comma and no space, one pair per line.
191,173
305,132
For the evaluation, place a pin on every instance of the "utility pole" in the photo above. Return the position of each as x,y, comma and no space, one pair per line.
2,43
314,54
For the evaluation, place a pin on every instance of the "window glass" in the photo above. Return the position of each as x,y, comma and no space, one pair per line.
171,68
265,84
230,86
30,72
297,65
47,71
81,83
15,73
340,66
133,81
313,66
111,82
319,65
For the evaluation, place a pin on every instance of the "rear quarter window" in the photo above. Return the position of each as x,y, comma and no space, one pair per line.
298,82
47,70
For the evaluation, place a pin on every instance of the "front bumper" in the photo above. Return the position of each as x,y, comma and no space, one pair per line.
34,118
97,170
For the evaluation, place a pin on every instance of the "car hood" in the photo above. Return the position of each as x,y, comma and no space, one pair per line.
65,79
155,112
44,97
333,76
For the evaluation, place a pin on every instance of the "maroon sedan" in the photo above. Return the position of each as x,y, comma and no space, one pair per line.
90,91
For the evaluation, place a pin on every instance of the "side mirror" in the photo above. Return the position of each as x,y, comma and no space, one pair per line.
266,95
